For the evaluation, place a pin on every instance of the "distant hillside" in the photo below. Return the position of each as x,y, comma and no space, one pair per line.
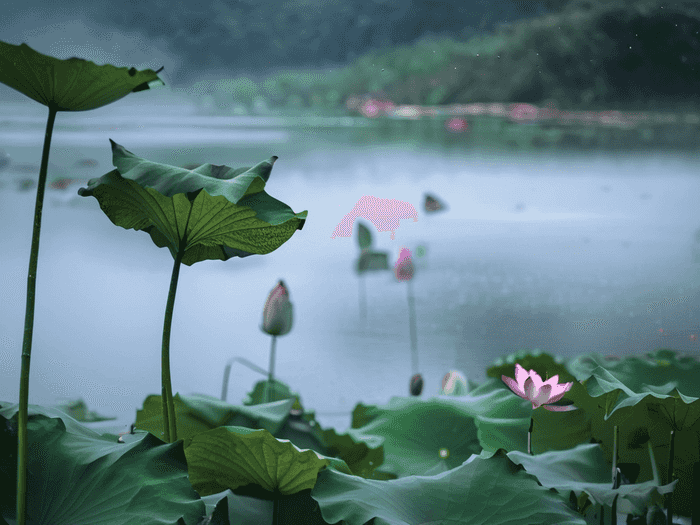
624,55
225,37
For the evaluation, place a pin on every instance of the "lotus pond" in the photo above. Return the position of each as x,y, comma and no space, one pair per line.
459,457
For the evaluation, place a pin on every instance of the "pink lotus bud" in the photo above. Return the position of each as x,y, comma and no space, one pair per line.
454,383
277,314
404,266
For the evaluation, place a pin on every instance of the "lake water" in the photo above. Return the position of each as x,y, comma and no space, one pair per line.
568,253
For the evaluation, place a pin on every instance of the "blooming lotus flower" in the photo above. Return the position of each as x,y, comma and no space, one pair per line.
529,385
277,314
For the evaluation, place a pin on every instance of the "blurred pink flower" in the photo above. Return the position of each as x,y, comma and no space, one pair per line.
383,213
529,385
404,266
456,125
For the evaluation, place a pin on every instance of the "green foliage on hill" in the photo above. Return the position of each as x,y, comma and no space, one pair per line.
641,55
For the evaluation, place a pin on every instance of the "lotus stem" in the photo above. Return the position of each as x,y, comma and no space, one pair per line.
271,373
224,386
614,458
227,373
654,470
613,512
169,421
23,413
529,436
669,496
362,296
412,328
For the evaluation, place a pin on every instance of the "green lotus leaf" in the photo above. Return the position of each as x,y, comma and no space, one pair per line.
448,435
479,491
199,413
232,457
211,212
73,84
371,261
278,391
364,237
78,477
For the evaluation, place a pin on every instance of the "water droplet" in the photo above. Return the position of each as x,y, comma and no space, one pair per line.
444,453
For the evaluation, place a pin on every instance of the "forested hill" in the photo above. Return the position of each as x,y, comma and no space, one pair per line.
228,37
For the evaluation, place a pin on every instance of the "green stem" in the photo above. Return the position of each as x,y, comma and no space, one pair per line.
614,458
22,416
363,298
529,436
412,328
169,422
669,479
276,507
271,372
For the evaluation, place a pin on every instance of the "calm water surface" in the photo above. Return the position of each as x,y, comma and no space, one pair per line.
566,253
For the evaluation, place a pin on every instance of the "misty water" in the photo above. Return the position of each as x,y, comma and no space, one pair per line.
567,253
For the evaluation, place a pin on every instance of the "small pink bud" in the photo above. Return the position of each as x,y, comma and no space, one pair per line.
403,269
277,314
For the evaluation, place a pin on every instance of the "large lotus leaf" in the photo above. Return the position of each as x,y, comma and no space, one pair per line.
69,85
212,212
76,476
294,509
642,418
198,413
660,371
370,261
488,399
421,436
493,491
584,469
278,391
78,410
231,457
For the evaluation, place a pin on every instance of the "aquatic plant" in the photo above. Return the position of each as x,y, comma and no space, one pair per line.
277,320
61,85
209,213
403,271
529,386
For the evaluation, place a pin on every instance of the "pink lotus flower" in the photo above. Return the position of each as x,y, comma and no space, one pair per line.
529,385
277,314
404,266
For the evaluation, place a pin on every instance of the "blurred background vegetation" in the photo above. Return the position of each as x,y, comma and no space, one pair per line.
578,54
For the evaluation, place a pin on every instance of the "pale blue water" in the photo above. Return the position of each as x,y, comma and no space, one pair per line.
567,253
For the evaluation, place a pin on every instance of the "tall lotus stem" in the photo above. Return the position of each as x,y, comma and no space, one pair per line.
169,421
669,496
23,416
529,436
614,459
404,270
271,373
362,296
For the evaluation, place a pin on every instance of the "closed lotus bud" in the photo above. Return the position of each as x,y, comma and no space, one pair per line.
277,314
454,383
416,385
403,269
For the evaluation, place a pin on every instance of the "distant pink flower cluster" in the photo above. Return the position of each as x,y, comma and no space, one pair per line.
383,213
372,108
